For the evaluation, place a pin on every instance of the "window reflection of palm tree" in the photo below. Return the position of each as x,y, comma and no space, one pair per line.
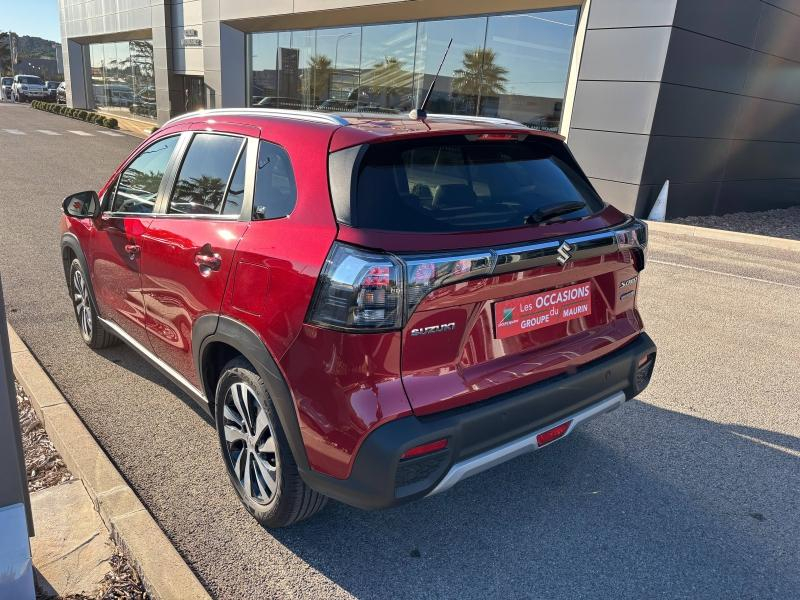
204,190
479,76
316,82
388,78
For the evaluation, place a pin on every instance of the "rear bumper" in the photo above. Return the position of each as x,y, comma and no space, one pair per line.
484,435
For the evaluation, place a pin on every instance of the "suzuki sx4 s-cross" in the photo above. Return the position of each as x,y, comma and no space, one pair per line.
372,308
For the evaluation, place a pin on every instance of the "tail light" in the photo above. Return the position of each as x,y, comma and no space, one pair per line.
634,238
359,290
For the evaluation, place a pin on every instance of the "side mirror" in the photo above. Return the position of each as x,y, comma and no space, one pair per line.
83,205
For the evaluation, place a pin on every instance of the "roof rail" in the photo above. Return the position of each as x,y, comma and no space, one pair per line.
299,115
495,120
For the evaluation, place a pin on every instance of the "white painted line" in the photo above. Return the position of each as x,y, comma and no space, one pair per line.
48,132
672,264
111,133
14,131
84,133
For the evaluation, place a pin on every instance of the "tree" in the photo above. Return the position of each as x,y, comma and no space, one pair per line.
317,79
389,82
205,191
479,76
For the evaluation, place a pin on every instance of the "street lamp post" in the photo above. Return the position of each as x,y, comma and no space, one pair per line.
339,38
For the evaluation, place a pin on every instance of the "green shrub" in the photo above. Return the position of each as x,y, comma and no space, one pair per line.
112,123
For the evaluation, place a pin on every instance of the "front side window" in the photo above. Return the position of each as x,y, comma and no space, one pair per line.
275,194
137,190
205,175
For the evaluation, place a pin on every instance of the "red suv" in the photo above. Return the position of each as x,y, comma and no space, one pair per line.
371,308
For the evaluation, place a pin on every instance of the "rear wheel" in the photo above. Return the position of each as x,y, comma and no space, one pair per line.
256,452
92,331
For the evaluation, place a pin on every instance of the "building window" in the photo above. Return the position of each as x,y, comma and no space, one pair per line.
122,78
507,65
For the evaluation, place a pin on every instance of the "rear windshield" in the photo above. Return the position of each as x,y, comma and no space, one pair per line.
7,81
466,183
31,80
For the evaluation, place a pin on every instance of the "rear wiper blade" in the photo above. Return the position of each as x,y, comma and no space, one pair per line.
545,213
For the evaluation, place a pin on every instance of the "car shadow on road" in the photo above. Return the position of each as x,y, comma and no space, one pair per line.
646,502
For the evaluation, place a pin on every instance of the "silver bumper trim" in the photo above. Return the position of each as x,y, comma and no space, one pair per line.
527,443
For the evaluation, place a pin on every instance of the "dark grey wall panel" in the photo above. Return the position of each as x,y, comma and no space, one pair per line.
614,14
778,33
606,155
635,54
768,120
690,198
685,160
705,62
729,20
735,196
789,5
774,78
688,111
624,106
622,195
763,160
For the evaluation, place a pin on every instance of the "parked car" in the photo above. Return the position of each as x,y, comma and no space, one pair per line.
372,308
28,87
6,84
61,93
51,88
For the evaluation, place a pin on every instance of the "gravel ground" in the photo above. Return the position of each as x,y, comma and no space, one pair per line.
781,222
45,469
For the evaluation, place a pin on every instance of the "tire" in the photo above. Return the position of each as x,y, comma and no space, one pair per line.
256,452
92,331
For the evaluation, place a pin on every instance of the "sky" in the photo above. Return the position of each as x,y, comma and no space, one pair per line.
38,18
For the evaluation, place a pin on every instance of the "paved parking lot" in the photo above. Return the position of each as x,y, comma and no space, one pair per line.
692,490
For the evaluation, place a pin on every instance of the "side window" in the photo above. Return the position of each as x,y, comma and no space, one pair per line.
205,174
275,194
138,185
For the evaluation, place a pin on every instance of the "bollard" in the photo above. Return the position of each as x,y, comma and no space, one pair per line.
16,523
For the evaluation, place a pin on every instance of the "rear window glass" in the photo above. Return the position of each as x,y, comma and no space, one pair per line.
465,183
31,80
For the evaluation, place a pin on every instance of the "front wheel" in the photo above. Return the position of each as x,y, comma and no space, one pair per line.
92,331
256,452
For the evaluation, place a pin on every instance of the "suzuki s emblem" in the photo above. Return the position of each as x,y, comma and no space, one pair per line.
564,253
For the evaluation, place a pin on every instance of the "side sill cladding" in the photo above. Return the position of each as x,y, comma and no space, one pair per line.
219,328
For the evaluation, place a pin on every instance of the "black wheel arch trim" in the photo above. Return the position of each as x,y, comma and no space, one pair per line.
209,329
70,241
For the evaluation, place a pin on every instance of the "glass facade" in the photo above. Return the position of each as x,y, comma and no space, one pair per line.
122,78
508,65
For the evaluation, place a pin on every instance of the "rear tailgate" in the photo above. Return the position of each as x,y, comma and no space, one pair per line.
531,319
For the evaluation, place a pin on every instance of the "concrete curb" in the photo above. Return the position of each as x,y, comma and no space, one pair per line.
165,575
725,236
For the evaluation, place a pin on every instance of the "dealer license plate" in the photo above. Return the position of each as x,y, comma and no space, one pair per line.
529,313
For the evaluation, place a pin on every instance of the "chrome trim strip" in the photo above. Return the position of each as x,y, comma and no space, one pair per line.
519,258
527,443
167,370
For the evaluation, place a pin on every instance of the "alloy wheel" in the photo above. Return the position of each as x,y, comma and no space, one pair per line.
83,307
250,443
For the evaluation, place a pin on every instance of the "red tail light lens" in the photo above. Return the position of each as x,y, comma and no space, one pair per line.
358,290
423,449
634,239
553,434
424,275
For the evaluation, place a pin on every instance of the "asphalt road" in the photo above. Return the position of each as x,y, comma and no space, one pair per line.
692,490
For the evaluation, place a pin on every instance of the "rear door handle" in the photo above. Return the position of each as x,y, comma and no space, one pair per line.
132,250
207,260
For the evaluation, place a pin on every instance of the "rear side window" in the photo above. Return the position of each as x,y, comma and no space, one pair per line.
466,183
138,185
205,175
275,194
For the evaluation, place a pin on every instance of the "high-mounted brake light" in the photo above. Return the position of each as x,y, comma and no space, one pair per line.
496,137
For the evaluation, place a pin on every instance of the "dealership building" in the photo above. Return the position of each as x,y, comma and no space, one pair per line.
703,93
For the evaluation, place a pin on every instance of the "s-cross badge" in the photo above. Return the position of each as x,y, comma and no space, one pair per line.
564,253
